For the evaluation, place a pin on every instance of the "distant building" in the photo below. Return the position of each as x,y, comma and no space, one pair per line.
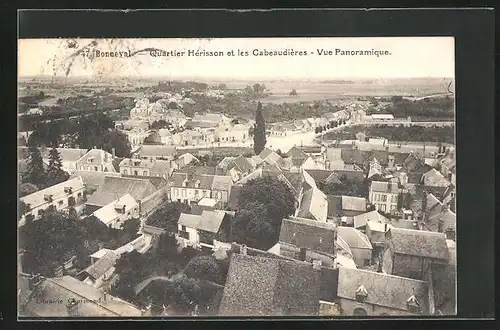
100,271
358,243
96,160
147,167
201,230
384,195
118,211
189,188
313,205
157,152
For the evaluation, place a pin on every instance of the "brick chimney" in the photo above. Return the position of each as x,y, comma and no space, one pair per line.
243,249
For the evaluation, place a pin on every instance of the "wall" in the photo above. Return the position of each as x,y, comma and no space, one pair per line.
149,203
189,195
348,306
360,255
391,202
375,237
405,266
193,235
387,261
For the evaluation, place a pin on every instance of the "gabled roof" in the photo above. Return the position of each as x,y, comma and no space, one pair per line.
374,216
116,187
211,221
93,178
350,203
108,212
189,220
221,182
257,286
383,289
297,156
384,187
418,243
310,234
319,175
137,162
38,198
243,164
314,205
101,266
354,238
157,151
434,178
96,156
334,205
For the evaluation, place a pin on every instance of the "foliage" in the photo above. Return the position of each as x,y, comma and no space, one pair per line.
167,215
397,133
27,189
259,133
205,268
435,107
167,246
159,124
51,240
35,171
262,205
355,187
55,173
117,140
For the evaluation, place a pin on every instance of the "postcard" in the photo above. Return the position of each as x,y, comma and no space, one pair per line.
249,177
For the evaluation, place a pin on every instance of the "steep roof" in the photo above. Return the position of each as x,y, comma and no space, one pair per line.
383,289
157,151
101,266
108,212
314,204
354,238
319,175
243,164
38,198
374,216
96,156
116,187
211,220
296,156
189,220
384,187
313,235
137,162
418,243
434,178
257,286
350,203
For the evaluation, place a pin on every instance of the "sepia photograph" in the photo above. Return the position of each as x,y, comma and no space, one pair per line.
236,177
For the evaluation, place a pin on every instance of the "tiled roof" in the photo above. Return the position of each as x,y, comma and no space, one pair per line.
384,187
108,212
225,162
97,156
314,204
418,243
116,187
354,238
374,216
222,183
164,132
101,266
383,289
211,221
137,162
189,220
157,151
257,286
296,156
92,178
350,203
319,175
434,178
67,288
334,206
38,198
216,182
243,164
313,235
233,197
161,167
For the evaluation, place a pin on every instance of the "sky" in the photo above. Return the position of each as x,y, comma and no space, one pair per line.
410,57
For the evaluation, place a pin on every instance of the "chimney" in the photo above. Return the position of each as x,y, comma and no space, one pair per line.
317,264
385,227
72,307
243,249
113,152
302,254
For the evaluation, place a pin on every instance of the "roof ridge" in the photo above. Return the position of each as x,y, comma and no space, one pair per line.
383,274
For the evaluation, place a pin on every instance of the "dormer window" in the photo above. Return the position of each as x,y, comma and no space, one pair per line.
90,159
413,305
361,294
68,190
47,198
197,184
184,183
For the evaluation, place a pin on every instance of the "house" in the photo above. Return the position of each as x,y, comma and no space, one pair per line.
345,206
300,159
147,167
118,211
361,220
185,159
92,180
409,252
99,272
157,152
321,177
217,119
236,167
367,293
375,231
258,286
73,299
442,220
313,205
59,196
202,230
131,124
191,187
68,156
233,133
434,178
307,240
137,135
282,129
334,159
384,195
165,136
358,243
96,160
381,117
114,188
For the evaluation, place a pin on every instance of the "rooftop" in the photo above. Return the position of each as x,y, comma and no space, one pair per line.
56,191
418,243
313,235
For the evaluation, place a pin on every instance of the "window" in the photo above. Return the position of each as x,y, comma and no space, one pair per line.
359,312
176,191
384,198
361,294
184,234
145,173
183,228
184,193
95,168
60,203
135,173
382,208
367,262
394,199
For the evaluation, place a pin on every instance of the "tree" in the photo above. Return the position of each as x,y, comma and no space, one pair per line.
259,137
205,268
35,172
167,215
293,92
222,86
55,174
118,141
27,189
167,246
